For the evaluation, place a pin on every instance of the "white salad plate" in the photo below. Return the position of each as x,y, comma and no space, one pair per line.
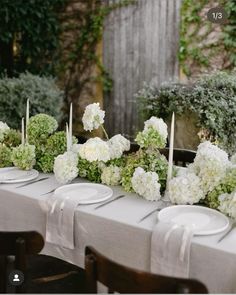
202,220
86,193
15,175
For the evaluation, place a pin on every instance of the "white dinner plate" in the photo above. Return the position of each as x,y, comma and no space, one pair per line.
15,175
86,193
202,220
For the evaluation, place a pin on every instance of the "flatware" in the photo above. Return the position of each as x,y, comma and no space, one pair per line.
110,201
150,213
47,193
31,182
233,225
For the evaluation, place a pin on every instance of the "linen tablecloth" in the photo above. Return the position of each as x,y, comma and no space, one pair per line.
114,230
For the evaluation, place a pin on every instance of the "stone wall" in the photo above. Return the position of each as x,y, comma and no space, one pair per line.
78,76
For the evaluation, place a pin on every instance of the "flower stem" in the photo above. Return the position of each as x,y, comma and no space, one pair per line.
103,129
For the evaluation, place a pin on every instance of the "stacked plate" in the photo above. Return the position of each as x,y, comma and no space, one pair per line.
15,175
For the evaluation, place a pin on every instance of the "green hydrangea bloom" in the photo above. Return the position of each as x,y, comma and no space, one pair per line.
149,160
227,185
55,145
150,138
90,170
40,127
5,156
12,138
119,162
23,156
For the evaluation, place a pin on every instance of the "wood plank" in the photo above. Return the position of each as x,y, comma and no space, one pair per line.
140,44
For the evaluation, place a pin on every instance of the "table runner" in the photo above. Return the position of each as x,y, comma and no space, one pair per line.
114,231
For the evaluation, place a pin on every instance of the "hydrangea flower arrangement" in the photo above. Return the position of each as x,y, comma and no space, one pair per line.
211,179
210,164
93,117
118,144
146,184
90,170
150,161
23,156
40,127
3,130
226,186
5,156
185,189
65,167
111,175
95,149
12,138
228,204
9,138
154,134
233,159
54,146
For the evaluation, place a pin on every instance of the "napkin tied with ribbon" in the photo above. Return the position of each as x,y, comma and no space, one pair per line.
60,220
170,250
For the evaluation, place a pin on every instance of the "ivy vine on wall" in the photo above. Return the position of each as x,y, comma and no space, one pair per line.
29,32
204,45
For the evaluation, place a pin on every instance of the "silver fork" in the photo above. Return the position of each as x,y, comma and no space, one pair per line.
47,193
149,214
110,201
31,182
233,225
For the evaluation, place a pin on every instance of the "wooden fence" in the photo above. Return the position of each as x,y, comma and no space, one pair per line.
140,43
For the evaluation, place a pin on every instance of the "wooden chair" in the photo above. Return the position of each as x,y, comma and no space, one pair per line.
43,274
18,244
122,279
181,157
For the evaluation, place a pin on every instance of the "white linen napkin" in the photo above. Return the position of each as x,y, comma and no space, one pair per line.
170,250
60,220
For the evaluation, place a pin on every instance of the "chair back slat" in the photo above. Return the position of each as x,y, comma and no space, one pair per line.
33,242
18,244
123,279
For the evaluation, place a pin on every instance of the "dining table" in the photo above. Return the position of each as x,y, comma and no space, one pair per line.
116,230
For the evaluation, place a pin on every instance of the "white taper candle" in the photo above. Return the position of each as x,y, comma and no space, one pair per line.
27,121
171,150
67,138
22,131
70,125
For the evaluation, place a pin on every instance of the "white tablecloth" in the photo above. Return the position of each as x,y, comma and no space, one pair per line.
114,231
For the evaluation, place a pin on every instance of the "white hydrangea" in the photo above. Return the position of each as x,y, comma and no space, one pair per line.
185,189
3,130
228,204
118,144
75,148
111,175
157,124
65,167
233,159
146,184
95,149
210,164
93,117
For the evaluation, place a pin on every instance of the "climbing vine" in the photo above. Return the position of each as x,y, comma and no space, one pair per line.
197,50
81,56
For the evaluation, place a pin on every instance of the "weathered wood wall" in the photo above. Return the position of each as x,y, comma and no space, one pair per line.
140,43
